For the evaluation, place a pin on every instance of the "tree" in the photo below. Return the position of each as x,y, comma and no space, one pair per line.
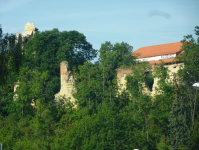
106,129
162,102
123,55
30,93
11,55
89,86
179,132
139,95
46,50
11,58
189,72
112,57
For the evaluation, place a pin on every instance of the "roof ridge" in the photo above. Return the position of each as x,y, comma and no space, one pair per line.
158,45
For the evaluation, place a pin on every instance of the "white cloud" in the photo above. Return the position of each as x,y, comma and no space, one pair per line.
11,4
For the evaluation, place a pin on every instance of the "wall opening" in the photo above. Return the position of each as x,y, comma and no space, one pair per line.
149,80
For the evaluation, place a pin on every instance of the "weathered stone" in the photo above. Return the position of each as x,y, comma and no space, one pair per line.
122,73
29,31
67,83
15,88
67,80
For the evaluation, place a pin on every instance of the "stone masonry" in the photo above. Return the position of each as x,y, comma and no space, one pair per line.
67,83
67,80
29,31
122,73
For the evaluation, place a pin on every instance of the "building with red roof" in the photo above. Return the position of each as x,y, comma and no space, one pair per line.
164,52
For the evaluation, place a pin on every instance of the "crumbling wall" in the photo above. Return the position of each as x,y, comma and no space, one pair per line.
172,71
67,83
16,95
29,31
122,73
15,88
67,80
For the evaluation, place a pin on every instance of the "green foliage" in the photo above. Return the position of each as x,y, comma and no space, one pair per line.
104,118
179,132
116,55
137,86
10,55
108,130
11,58
188,75
29,93
162,102
46,50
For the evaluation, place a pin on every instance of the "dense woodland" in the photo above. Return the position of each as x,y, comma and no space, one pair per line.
104,118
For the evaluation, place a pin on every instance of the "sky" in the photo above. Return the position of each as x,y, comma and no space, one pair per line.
139,23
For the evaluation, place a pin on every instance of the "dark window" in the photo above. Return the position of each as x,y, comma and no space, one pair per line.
149,80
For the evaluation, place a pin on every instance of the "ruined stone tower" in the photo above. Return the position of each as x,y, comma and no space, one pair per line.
29,31
67,83
67,80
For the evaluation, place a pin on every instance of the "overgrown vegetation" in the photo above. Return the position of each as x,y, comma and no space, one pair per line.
104,118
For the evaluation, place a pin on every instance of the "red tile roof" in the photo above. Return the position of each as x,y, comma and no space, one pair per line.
157,50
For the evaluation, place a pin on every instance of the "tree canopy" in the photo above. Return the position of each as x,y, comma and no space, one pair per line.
46,50
104,118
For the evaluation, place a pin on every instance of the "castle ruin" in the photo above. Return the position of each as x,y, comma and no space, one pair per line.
153,55
29,31
68,82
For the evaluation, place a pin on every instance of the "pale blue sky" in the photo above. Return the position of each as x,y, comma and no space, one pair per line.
140,23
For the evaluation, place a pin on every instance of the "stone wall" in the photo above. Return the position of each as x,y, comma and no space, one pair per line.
16,95
67,83
122,73
67,80
172,69
15,88
29,31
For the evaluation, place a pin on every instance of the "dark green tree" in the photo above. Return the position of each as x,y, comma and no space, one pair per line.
11,58
188,75
140,93
179,132
112,57
30,93
88,84
46,50
107,129
189,71
162,103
